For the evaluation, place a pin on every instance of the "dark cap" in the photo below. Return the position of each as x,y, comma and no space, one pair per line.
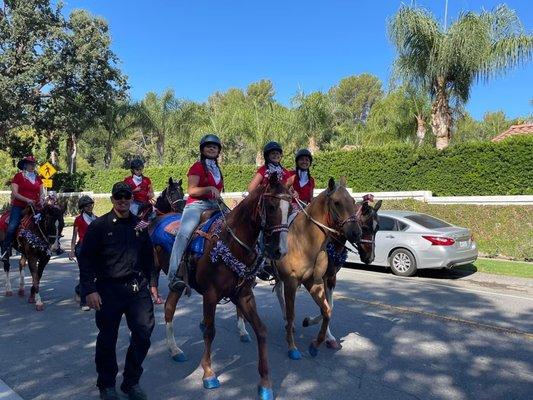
121,187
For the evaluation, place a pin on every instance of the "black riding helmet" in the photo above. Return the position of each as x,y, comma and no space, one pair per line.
210,138
271,146
302,153
136,163
84,201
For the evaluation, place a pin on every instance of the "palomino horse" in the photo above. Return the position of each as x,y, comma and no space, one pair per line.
329,220
36,233
227,269
170,201
368,221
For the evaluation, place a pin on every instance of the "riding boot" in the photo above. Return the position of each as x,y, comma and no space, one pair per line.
178,283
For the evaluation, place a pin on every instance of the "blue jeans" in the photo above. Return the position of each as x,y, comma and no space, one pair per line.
14,222
189,221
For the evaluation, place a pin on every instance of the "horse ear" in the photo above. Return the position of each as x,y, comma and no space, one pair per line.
170,181
378,205
273,179
180,182
331,184
342,181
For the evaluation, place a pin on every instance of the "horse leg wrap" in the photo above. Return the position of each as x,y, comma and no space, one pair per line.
211,383
264,393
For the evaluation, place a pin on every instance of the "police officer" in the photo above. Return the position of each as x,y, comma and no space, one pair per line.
115,263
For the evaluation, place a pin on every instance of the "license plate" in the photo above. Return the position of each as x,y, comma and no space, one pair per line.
463,245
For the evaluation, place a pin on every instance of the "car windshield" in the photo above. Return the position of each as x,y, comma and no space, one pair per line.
427,221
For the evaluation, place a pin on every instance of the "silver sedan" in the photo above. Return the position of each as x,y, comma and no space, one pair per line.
407,241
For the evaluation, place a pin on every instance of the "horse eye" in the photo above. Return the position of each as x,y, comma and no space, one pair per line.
337,203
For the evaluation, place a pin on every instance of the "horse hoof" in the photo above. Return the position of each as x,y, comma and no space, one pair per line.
39,307
264,393
305,322
313,351
202,327
246,338
22,293
333,344
31,300
294,354
180,357
211,383
9,293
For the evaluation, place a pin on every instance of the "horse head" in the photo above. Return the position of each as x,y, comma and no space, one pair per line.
50,219
368,220
274,207
171,198
343,210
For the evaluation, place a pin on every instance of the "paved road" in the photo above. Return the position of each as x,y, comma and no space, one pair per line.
432,337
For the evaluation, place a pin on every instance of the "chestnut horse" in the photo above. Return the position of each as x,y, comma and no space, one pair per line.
36,233
228,267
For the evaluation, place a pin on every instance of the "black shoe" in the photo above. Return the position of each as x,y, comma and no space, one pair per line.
109,394
264,276
135,393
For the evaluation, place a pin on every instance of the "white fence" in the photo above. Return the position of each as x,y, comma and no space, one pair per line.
424,196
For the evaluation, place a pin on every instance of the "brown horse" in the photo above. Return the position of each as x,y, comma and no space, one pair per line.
33,240
315,237
228,267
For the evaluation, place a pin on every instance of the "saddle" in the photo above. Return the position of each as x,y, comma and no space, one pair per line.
196,245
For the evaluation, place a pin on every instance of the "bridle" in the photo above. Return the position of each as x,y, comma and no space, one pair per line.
172,202
262,213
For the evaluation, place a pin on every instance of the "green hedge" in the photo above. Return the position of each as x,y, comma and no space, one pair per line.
479,168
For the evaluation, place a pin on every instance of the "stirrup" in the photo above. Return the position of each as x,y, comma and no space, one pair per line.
178,285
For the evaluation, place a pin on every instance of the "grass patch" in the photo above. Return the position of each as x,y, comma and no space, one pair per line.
500,267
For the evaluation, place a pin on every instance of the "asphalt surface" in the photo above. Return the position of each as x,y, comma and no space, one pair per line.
436,336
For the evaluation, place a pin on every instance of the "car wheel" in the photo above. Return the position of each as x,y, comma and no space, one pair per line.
402,262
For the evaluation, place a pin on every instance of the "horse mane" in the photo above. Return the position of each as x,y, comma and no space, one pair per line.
242,211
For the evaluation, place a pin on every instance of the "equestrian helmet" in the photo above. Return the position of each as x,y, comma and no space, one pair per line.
302,153
136,163
271,146
210,138
84,201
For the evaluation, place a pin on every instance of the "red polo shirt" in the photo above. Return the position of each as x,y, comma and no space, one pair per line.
142,196
27,189
206,179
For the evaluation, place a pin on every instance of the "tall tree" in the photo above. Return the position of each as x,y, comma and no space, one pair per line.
158,115
55,74
354,96
315,117
446,62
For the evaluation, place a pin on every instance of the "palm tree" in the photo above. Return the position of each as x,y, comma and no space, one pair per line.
157,115
118,120
446,62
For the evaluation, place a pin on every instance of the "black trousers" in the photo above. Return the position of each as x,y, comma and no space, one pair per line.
117,300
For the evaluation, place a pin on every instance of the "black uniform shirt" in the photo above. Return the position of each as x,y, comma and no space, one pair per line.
113,249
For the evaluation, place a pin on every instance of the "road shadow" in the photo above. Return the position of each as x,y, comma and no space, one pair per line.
443,273
386,353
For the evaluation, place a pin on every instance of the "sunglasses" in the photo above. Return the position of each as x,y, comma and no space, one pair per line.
122,195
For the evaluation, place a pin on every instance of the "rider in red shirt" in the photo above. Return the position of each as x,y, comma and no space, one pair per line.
81,223
205,183
301,180
26,189
272,152
140,185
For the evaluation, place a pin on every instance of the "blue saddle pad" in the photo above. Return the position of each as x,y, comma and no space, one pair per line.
162,238
197,243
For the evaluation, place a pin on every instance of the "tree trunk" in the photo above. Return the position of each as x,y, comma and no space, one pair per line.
108,151
441,116
420,129
54,157
259,158
313,146
52,148
160,147
72,150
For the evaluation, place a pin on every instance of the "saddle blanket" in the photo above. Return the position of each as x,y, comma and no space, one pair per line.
164,234
196,246
4,221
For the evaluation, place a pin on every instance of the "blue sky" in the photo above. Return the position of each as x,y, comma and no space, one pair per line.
198,47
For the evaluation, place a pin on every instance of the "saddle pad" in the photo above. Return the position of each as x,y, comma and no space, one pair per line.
4,221
161,235
173,226
197,243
